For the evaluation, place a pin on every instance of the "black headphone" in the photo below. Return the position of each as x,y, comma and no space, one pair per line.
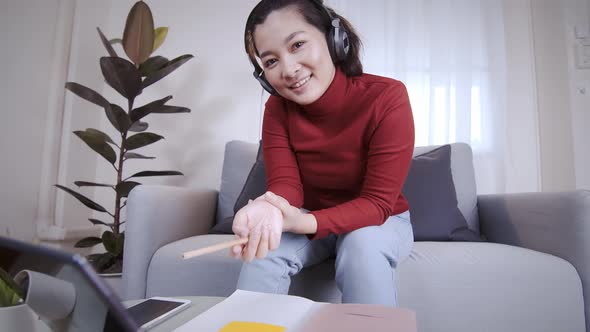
338,44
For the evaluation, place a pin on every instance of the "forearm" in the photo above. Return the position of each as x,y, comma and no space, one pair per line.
306,224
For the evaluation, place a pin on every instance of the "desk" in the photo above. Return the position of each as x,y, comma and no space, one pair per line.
199,304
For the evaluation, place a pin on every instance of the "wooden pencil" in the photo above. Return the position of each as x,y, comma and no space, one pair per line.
213,248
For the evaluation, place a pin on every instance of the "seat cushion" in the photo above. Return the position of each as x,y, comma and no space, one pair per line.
452,286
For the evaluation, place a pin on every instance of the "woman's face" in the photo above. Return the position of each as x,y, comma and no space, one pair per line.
294,55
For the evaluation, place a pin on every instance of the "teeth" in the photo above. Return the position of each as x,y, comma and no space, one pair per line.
300,83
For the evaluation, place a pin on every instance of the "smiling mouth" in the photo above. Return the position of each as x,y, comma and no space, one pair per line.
300,83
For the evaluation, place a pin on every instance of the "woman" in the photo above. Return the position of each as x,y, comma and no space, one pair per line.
337,146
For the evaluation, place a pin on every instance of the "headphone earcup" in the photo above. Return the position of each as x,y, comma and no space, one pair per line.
332,45
343,45
338,41
262,80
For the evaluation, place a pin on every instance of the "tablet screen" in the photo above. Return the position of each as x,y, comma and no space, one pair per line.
151,309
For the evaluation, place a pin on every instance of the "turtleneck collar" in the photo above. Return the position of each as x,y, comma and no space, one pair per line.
333,99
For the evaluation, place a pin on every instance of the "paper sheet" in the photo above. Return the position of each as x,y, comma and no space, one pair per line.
244,306
246,311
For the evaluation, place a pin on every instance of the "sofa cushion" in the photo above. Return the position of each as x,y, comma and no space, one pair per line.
255,184
240,157
463,179
431,194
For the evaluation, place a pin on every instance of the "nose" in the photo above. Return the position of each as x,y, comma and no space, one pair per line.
290,68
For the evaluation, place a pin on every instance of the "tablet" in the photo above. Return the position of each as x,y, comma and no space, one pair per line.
155,310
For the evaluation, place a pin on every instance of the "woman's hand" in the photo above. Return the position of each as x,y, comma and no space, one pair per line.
294,220
262,224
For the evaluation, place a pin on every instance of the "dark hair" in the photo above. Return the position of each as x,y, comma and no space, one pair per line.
351,66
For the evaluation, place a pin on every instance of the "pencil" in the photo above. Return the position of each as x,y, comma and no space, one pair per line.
213,248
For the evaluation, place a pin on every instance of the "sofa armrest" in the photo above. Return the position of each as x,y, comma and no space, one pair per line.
156,216
554,223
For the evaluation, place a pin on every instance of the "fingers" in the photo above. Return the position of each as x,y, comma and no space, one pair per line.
240,224
263,245
236,251
274,239
253,241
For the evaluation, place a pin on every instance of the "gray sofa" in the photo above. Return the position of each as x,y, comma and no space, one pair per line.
532,274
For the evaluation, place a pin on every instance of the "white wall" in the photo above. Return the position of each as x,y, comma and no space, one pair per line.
555,124
563,94
577,12
27,32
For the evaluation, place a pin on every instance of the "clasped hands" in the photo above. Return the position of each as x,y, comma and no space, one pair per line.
263,221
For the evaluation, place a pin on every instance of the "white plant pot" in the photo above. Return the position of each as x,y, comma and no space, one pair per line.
21,318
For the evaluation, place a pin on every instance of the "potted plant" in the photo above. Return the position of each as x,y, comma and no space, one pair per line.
14,312
129,77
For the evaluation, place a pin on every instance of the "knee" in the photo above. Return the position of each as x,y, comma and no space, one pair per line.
360,245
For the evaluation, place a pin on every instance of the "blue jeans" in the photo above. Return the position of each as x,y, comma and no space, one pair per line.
366,260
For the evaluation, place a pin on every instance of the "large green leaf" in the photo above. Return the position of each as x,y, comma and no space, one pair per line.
155,173
167,109
91,184
87,93
100,134
99,222
122,76
170,67
138,37
118,117
97,143
140,112
88,242
83,199
113,243
140,140
106,43
133,155
159,37
139,126
125,187
152,64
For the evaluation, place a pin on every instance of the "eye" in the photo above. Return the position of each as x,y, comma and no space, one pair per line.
298,44
269,62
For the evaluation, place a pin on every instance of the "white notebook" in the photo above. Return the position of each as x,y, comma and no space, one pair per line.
298,314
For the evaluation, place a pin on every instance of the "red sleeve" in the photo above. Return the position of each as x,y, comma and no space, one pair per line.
389,157
282,171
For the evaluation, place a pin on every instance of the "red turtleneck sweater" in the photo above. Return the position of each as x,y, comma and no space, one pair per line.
344,157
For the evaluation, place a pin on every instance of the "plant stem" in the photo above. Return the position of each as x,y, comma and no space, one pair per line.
118,207
117,195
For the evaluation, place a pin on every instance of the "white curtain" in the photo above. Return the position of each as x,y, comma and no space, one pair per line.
452,56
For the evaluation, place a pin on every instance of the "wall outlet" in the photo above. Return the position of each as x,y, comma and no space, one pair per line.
582,54
582,31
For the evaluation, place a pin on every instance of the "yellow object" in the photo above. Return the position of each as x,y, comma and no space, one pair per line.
251,327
